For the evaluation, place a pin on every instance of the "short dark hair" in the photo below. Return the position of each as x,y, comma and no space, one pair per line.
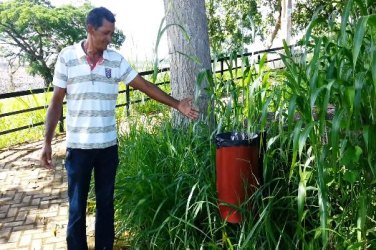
96,15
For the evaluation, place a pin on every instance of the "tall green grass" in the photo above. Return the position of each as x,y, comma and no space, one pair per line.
24,119
318,187
166,197
333,157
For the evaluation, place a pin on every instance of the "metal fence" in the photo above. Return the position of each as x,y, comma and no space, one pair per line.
221,62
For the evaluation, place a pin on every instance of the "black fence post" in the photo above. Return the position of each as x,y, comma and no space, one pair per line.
221,67
61,121
127,99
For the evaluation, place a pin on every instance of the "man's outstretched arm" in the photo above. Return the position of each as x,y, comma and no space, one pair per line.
154,92
52,118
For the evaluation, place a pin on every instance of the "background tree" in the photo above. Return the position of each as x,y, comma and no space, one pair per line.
188,44
232,24
35,32
231,28
326,10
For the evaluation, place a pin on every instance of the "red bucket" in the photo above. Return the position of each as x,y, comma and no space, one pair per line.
238,172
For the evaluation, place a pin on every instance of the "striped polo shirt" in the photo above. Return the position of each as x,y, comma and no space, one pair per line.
91,95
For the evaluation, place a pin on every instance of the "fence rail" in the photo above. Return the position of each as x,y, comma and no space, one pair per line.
127,91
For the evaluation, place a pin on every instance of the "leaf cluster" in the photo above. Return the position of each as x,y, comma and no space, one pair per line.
35,32
232,23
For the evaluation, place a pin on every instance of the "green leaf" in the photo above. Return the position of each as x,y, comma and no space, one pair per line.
373,70
345,18
360,81
362,7
350,97
362,217
334,134
315,95
351,156
314,21
263,59
324,107
271,141
372,20
303,137
372,139
360,30
291,110
351,176
358,153
301,199
323,199
265,112
295,136
366,135
314,65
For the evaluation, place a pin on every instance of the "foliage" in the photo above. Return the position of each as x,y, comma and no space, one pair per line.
153,181
239,100
330,147
319,173
325,10
35,32
26,119
232,24
236,24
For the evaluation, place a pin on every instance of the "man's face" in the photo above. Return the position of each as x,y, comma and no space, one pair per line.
102,36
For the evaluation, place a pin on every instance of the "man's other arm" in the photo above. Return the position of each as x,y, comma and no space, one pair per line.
52,118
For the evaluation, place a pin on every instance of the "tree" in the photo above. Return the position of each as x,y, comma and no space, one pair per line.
188,44
235,24
232,24
231,28
327,10
35,32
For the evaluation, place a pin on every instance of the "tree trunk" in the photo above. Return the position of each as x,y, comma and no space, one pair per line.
286,20
11,72
277,26
188,57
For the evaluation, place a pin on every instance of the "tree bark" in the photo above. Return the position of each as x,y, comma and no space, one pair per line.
188,57
11,72
286,20
277,27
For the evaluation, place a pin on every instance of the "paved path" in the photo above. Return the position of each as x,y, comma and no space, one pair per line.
33,200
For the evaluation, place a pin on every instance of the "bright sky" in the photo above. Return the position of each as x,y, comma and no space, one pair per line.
139,20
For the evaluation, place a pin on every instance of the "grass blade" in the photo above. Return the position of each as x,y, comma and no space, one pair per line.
303,137
345,18
323,200
373,70
296,136
360,30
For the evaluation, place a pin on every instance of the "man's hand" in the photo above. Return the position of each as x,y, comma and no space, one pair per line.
45,157
185,107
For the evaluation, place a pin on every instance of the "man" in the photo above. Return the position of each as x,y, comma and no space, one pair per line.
88,73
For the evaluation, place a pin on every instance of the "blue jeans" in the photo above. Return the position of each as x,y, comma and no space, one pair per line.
80,164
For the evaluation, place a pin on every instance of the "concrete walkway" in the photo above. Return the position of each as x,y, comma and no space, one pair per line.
33,200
